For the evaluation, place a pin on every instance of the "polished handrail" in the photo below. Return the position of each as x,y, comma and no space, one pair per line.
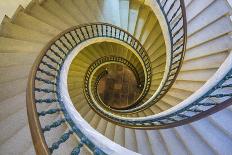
215,98
33,119
82,35
43,84
175,17
52,71
176,117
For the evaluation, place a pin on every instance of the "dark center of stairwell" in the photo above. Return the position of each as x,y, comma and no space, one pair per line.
118,88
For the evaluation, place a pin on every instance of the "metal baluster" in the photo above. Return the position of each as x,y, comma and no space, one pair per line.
194,110
174,14
182,45
50,58
207,104
49,66
97,29
177,22
45,72
181,37
181,28
72,38
178,54
78,36
173,3
77,149
223,86
50,111
165,3
61,140
53,125
106,30
56,54
66,38
45,81
61,41
220,95
102,30
48,100
111,31
45,90
87,31
172,119
60,49
115,32
82,33
91,27
182,115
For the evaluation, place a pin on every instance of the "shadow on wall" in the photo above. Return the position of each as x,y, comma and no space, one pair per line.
8,7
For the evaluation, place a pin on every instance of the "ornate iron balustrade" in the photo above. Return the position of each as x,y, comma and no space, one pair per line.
175,17
174,13
97,65
43,84
115,59
215,99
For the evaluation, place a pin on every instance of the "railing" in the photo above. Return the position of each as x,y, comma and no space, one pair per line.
214,96
174,13
43,90
95,66
43,93
175,17
96,82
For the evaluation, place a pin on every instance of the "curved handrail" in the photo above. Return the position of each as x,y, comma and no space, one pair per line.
62,44
173,117
33,119
215,95
117,59
175,17
43,85
95,67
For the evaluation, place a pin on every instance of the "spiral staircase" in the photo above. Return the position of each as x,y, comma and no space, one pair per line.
170,61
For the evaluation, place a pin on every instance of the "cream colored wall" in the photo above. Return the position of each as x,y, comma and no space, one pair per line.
8,7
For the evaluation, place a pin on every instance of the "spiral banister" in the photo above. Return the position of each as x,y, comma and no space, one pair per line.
44,83
156,121
208,100
98,64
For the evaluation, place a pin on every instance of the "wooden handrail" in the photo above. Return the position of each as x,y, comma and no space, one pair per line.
182,5
33,118
34,123
194,118
38,139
